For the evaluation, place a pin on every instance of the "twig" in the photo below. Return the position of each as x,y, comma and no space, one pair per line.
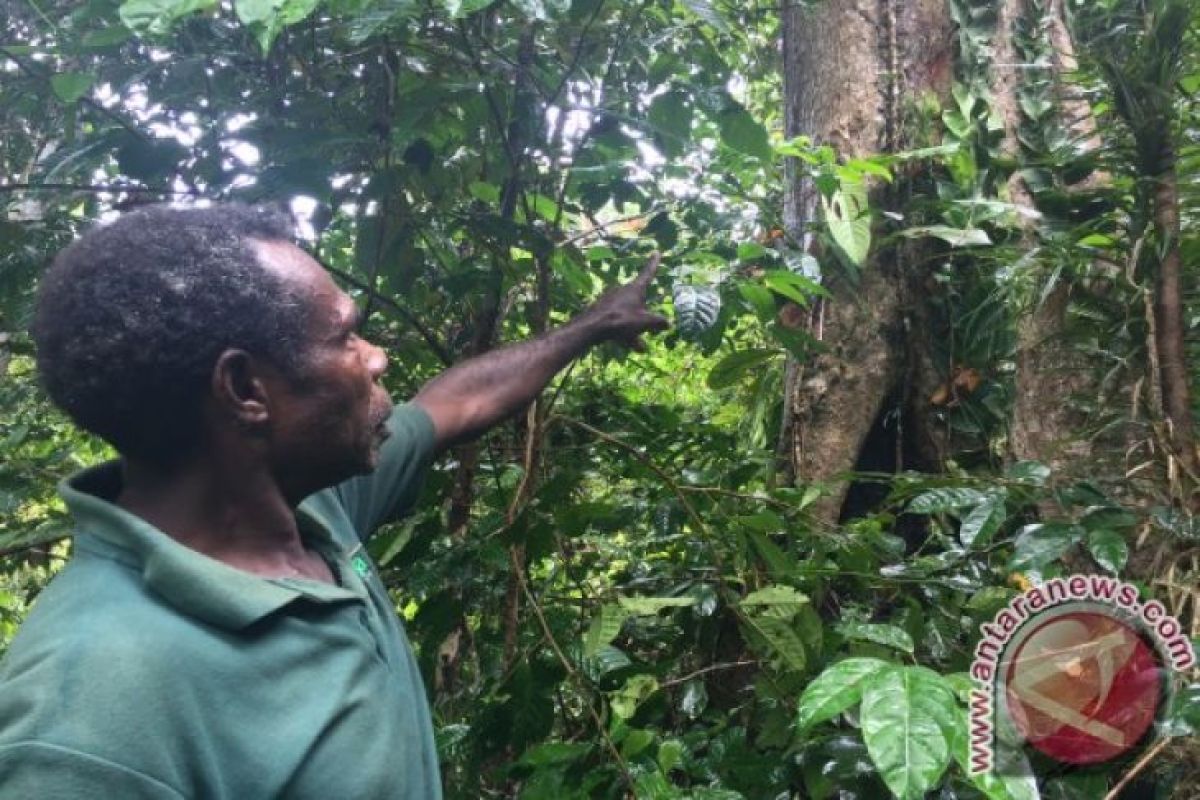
604,225
705,671
574,674
648,463
1141,764
429,336
75,187
20,548
108,112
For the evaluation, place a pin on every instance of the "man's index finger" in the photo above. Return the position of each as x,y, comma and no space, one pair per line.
650,270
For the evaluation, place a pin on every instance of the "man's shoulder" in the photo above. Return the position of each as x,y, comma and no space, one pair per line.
96,628
103,667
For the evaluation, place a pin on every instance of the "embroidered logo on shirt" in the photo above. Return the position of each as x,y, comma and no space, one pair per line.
361,565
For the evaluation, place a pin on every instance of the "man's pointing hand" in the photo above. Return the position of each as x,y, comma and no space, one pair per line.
621,312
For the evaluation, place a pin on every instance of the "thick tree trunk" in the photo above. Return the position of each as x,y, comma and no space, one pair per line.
846,65
1048,424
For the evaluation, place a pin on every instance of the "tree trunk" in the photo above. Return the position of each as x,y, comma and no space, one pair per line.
846,65
1048,364
1170,327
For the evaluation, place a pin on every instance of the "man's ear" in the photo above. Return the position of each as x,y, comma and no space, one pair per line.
239,388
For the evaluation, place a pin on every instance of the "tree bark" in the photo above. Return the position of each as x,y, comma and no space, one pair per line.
1048,424
1171,328
846,65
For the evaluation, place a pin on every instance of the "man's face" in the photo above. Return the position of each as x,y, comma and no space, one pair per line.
329,421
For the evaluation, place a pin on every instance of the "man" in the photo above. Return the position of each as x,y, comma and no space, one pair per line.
219,631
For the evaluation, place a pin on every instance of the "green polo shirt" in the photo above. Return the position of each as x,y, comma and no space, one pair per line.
148,670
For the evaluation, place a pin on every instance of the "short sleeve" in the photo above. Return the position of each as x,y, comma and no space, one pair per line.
389,492
37,769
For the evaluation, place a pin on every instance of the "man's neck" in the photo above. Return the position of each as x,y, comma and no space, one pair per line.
238,516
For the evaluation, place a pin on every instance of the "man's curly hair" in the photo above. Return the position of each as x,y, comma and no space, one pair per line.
132,317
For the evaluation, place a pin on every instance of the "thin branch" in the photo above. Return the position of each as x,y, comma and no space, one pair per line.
574,674
20,548
1142,763
99,189
428,335
108,112
705,671
649,464
605,225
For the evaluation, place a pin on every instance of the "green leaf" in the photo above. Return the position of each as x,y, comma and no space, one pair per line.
251,12
779,563
532,9
554,753
636,689
1012,777
70,86
705,11
604,628
748,251
760,299
156,17
462,8
904,716
886,635
780,635
1108,547
744,133
981,524
1029,472
777,596
955,237
646,606
729,370
1039,544
835,690
670,754
794,287
378,16
847,215
938,501
1183,715
671,117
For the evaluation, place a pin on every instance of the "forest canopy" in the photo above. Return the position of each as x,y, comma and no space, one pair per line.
932,270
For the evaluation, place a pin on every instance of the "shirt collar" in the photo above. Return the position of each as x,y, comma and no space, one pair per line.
193,583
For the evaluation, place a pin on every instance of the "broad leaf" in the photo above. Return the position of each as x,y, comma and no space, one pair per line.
836,689
744,133
1012,777
1029,472
937,501
848,218
886,635
71,86
981,524
1039,544
636,689
729,370
777,596
645,606
903,717
156,16
955,237
604,628
1109,548
782,637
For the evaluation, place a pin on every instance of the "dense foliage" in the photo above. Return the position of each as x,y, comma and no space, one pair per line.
616,594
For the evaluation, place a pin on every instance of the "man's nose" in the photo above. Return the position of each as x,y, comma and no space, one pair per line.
376,360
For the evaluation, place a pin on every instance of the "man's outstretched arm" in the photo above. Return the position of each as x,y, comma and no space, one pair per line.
467,399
